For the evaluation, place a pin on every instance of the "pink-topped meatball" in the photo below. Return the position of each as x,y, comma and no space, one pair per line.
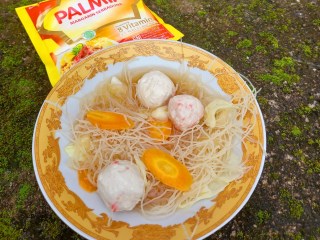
185,111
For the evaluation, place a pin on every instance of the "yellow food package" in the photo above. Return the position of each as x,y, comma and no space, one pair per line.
66,31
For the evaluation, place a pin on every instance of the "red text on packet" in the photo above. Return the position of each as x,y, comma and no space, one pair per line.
79,9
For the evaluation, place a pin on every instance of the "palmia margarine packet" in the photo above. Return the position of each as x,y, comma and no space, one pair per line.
66,31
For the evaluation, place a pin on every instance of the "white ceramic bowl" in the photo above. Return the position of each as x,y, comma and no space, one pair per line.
84,212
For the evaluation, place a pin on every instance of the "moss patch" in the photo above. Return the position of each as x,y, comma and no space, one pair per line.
295,206
7,229
283,72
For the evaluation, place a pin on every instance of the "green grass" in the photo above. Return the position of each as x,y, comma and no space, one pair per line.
245,43
161,2
305,110
240,235
270,139
295,206
312,165
21,3
10,62
269,38
262,100
296,131
245,46
7,228
283,71
275,176
201,13
306,50
231,33
316,142
51,228
261,49
285,63
297,236
23,194
4,163
262,216
23,87
316,22
272,14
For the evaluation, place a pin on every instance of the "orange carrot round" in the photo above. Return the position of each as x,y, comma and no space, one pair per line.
167,169
84,181
160,130
109,120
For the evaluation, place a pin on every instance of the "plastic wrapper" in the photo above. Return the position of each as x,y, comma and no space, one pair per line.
64,32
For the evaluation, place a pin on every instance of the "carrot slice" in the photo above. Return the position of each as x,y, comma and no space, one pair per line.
109,120
167,169
84,181
161,130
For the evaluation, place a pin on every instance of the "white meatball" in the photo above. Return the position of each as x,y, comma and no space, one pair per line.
121,186
154,89
185,111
